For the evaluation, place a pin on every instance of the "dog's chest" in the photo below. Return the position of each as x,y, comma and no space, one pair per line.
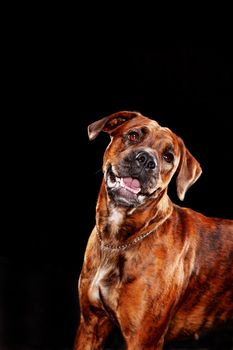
104,287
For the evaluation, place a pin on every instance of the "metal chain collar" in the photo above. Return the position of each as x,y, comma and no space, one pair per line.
126,245
134,241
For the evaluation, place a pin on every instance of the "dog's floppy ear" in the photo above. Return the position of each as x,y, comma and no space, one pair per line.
110,123
189,171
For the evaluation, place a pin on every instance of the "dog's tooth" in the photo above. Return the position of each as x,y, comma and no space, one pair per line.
122,182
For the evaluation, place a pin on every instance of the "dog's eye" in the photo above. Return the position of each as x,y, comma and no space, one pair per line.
133,136
168,157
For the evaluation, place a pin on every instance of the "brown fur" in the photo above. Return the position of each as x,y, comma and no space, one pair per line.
176,279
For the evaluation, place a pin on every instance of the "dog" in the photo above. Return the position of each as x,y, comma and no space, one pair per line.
157,270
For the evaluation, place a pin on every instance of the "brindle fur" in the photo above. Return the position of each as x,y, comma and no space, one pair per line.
175,282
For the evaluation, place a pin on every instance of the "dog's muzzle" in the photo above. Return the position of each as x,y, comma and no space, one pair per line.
130,181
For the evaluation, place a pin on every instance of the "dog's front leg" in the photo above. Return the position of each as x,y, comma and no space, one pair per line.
145,320
157,346
92,333
145,339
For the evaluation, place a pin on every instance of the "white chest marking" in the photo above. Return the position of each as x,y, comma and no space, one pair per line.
115,218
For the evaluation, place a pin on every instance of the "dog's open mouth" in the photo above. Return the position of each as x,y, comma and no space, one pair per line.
124,188
128,183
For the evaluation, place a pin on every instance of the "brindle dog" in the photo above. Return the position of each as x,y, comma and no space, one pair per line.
157,270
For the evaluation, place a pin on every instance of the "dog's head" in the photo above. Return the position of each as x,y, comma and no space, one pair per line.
141,158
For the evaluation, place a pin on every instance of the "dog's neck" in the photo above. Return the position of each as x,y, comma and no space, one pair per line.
116,223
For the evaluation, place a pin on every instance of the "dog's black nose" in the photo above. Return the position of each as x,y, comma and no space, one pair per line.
145,160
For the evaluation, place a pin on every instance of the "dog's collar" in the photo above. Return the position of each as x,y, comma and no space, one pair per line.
134,241
125,245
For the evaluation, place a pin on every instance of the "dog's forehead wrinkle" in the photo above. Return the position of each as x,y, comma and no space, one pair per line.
163,133
140,122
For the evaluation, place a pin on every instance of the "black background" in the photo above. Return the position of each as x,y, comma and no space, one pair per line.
52,172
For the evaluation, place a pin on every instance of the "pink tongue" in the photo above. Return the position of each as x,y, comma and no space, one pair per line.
131,183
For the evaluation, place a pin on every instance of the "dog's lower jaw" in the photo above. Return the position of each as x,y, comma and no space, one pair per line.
124,198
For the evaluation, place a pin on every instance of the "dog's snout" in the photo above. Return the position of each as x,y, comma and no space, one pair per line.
145,160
